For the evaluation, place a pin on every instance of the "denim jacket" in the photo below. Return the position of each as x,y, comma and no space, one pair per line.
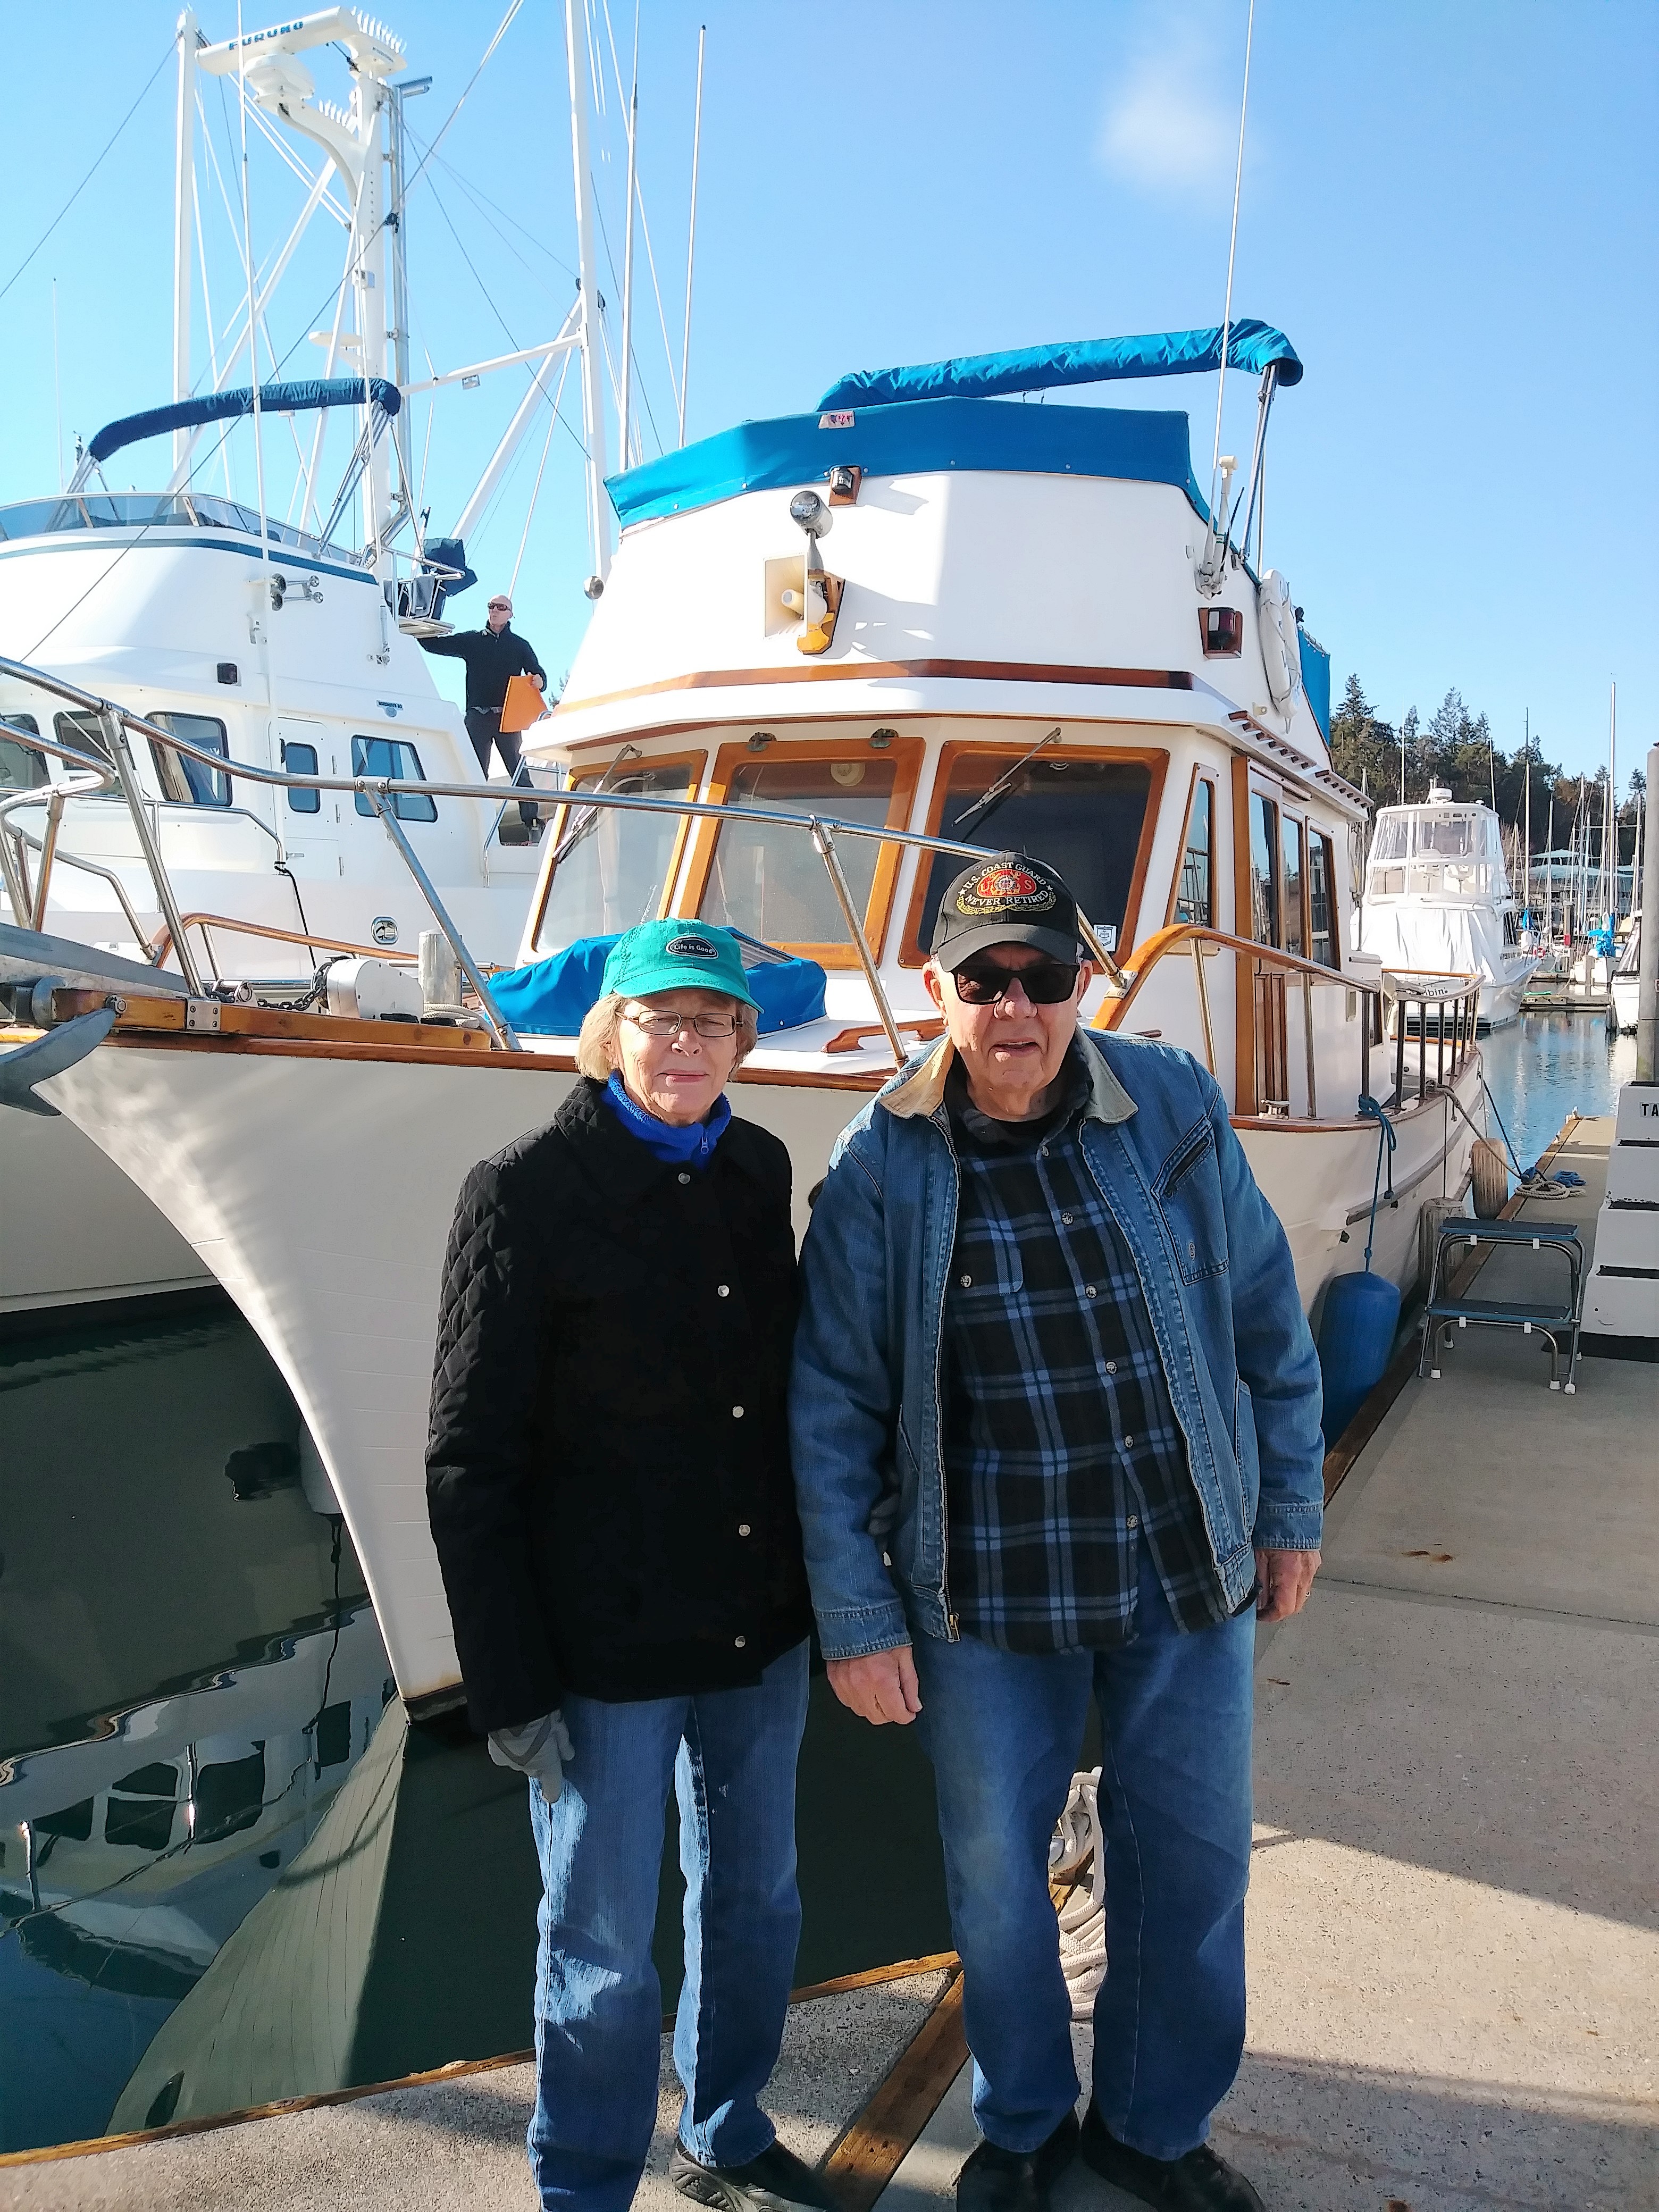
866,1420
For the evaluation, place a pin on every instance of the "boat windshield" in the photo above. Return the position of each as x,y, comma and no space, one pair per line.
613,868
1451,837
1083,816
125,510
770,883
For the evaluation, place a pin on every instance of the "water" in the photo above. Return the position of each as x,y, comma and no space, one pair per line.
1543,1066
229,1870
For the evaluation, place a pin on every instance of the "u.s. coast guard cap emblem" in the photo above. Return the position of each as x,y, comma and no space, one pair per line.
1011,900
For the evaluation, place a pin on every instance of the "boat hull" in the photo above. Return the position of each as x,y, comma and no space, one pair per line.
318,1191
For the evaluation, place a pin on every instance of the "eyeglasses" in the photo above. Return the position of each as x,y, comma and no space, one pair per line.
670,1025
1045,982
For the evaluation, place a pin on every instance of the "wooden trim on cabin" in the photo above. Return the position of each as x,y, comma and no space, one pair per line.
906,753
1244,1090
983,671
697,759
1203,772
912,953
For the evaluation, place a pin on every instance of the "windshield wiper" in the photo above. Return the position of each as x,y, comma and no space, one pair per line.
1004,784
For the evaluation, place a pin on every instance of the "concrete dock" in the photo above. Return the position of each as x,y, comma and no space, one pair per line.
1454,1919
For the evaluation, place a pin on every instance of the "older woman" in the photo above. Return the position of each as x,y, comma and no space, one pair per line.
609,1484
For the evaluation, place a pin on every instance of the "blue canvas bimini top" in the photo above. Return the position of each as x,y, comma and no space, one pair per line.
917,437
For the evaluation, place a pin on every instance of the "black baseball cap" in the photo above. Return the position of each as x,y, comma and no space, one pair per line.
1011,900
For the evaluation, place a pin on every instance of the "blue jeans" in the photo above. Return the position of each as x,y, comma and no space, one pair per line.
1003,1730
730,1755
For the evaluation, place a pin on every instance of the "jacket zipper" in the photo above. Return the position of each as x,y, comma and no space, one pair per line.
953,1632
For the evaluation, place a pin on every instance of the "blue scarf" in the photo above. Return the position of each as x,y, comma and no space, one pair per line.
687,1144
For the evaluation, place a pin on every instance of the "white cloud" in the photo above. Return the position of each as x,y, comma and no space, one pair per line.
1171,125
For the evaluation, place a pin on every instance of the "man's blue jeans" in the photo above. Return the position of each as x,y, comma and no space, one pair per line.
730,1755
1003,1730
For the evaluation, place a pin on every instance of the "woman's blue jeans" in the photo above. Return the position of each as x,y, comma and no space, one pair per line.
731,1756
1003,1730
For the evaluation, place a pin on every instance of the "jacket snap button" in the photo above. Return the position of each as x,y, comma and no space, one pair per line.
722,1290
1128,1443
966,1281
743,1528
1066,1219
740,1641
1132,1522
1089,1290
684,1176
1043,1151
736,1413
1111,1367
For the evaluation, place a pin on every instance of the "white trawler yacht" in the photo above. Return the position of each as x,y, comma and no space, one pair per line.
834,651
1437,900
274,643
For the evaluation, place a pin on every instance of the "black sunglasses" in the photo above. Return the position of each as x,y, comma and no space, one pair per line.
1045,982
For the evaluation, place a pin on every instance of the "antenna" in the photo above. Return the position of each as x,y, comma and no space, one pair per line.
253,303
1232,248
691,229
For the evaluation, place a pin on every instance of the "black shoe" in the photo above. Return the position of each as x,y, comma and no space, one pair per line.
997,2180
777,2181
1198,2182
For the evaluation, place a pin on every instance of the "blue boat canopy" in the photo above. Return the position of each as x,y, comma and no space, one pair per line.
916,439
1250,344
222,406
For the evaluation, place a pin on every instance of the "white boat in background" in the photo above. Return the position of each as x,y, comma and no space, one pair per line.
1026,632
1438,900
263,641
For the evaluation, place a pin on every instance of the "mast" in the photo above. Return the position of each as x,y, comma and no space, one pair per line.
1610,812
691,230
1526,871
575,36
411,89
626,411
184,211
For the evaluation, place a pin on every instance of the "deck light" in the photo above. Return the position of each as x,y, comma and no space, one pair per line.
760,741
809,513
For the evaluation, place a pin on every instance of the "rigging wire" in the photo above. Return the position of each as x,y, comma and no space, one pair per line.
536,489
91,173
1232,252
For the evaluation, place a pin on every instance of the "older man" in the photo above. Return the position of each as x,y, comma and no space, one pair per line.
1055,1417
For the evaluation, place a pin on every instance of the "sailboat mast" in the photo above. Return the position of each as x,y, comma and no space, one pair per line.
183,215
587,278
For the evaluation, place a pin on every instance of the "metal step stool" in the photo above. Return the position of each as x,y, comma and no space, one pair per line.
1547,1316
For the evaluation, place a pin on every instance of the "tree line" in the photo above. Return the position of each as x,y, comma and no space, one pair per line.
1455,748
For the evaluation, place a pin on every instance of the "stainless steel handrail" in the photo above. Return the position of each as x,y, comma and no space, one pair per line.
383,792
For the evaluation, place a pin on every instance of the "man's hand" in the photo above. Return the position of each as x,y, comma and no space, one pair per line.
879,1687
1285,1579
538,684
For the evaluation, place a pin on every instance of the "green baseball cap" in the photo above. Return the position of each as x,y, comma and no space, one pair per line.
678,955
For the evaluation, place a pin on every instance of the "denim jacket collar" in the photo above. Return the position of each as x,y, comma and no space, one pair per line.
918,1089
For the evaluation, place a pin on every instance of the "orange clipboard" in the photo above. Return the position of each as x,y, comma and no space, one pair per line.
523,705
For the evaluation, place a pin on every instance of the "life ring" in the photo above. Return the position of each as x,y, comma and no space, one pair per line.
1281,649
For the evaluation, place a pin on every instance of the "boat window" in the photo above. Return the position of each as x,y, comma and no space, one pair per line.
613,868
301,760
230,1796
331,1745
72,1822
390,756
189,782
1452,836
1195,895
1293,841
1322,901
1264,869
1083,816
769,881
1387,883
20,768
84,732
142,1824
1393,838
126,510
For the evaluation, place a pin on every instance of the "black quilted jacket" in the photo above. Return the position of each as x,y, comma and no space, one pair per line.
608,1461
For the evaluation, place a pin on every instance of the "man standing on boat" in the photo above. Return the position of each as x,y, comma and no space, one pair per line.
1055,1417
494,656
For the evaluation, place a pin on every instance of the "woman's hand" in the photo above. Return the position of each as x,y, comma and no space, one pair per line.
879,1687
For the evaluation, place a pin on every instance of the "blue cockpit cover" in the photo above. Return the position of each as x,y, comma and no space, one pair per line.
1250,344
551,997
223,406
916,439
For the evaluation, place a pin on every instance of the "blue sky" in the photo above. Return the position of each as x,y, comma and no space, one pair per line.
1452,208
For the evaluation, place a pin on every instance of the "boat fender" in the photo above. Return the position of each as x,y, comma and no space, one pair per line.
1356,1336
1281,650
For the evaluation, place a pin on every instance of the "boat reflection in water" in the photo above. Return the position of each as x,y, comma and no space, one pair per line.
230,1870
